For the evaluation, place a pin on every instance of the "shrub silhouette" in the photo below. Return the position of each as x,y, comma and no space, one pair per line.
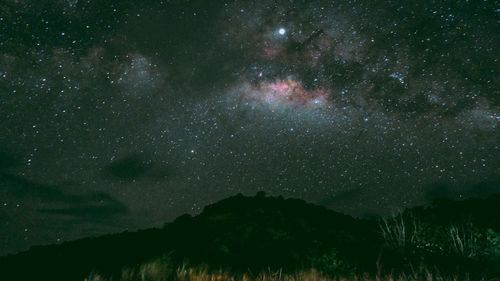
266,234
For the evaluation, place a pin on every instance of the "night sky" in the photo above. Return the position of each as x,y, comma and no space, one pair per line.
120,115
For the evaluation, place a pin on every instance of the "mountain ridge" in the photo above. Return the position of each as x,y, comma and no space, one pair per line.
254,233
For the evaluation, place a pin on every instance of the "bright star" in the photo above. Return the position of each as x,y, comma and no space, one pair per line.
282,31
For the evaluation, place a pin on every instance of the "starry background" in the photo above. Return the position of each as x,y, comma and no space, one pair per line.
121,115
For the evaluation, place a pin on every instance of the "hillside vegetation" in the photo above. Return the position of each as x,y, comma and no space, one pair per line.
272,238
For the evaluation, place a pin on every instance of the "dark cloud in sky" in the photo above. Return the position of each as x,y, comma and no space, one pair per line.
135,112
97,208
136,167
128,168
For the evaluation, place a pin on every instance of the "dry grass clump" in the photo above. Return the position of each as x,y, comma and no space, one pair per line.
160,270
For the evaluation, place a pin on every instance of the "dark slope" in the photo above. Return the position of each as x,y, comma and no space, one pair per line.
255,233
259,232
239,232
484,213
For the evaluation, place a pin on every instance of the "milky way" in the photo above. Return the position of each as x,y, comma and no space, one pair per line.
126,114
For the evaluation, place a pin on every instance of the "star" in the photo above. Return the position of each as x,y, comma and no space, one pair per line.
153,106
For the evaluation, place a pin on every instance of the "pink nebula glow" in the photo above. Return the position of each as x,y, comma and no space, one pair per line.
287,93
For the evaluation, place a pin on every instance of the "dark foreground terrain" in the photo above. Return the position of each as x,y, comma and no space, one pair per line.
273,238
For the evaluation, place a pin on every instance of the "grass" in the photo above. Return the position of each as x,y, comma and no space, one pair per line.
273,239
163,270
400,232
464,241
403,233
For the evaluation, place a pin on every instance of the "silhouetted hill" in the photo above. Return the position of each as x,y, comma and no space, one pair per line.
481,212
241,232
259,232
255,233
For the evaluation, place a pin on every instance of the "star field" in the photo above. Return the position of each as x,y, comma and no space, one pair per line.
122,115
